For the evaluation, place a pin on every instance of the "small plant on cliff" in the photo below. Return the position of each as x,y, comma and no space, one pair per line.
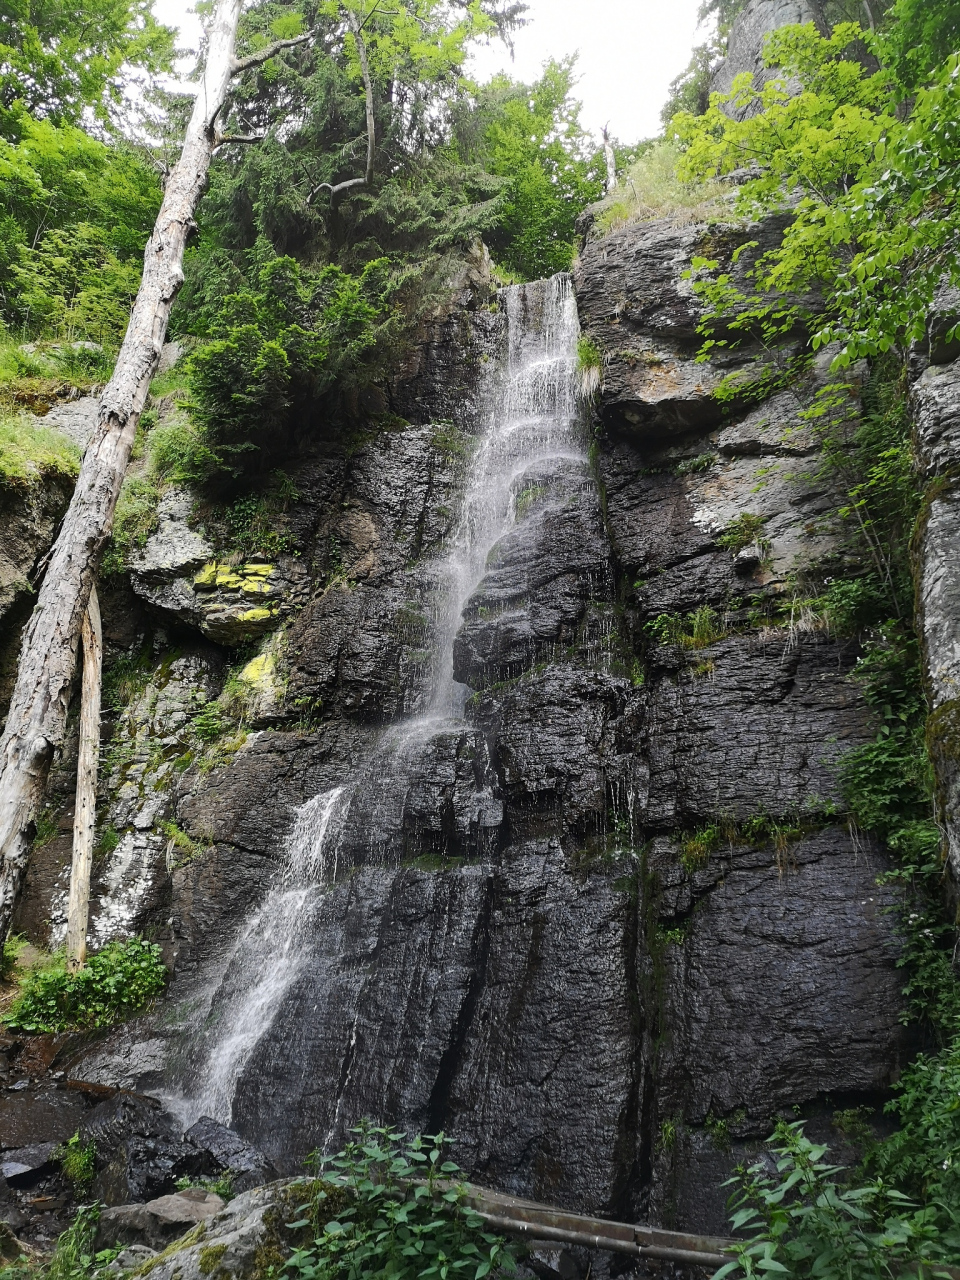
77,1162
747,528
406,1217
9,955
695,630
589,367
115,983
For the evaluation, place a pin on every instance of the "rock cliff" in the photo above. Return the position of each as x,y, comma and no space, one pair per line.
608,928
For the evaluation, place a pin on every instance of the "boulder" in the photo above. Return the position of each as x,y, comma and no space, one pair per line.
248,1167
23,1167
157,1223
132,1257
140,1150
175,572
235,1240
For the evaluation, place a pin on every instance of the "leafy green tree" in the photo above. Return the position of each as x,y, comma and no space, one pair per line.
535,141
76,213
920,36
873,197
58,60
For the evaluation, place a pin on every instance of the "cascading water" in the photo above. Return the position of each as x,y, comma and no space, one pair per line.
530,422
269,952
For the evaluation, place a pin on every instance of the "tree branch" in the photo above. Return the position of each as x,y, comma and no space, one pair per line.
264,55
222,139
333,188
356,29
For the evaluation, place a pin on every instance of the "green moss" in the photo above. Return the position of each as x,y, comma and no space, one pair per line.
255,615
312,1201
77,1162
943,731
185,1242
210,1258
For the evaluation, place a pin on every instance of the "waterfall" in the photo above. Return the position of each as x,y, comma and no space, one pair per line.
269,953
530,424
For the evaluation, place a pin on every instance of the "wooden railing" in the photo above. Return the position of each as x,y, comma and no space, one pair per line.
532,1221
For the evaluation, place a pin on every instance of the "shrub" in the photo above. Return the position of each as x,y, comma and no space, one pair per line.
115,983
405,1217
809,1218
278,347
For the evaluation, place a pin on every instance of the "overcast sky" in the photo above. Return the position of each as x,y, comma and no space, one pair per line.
629,51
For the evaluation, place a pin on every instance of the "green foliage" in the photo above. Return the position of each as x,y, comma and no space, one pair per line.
921,1157
872,196
135,519
696,848
221,1186
551,167
690,91
77,1160
696,630
76,215
188,848
691,466
802,1221
745,529
107,841
276,351
429,192
114,983
210,723
57,62
45,828
589,366
74,1258
30,452
248,527
392,1225
920,37
10,954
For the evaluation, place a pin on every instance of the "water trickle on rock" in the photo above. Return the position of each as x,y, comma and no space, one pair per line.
531,433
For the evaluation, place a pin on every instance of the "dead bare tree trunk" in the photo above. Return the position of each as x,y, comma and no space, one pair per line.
38,710
611,160
85,809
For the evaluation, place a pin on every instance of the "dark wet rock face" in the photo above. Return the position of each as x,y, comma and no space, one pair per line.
604,926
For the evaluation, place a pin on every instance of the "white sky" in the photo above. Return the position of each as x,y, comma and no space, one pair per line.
629,51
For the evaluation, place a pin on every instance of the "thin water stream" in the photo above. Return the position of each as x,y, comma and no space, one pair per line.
530,421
